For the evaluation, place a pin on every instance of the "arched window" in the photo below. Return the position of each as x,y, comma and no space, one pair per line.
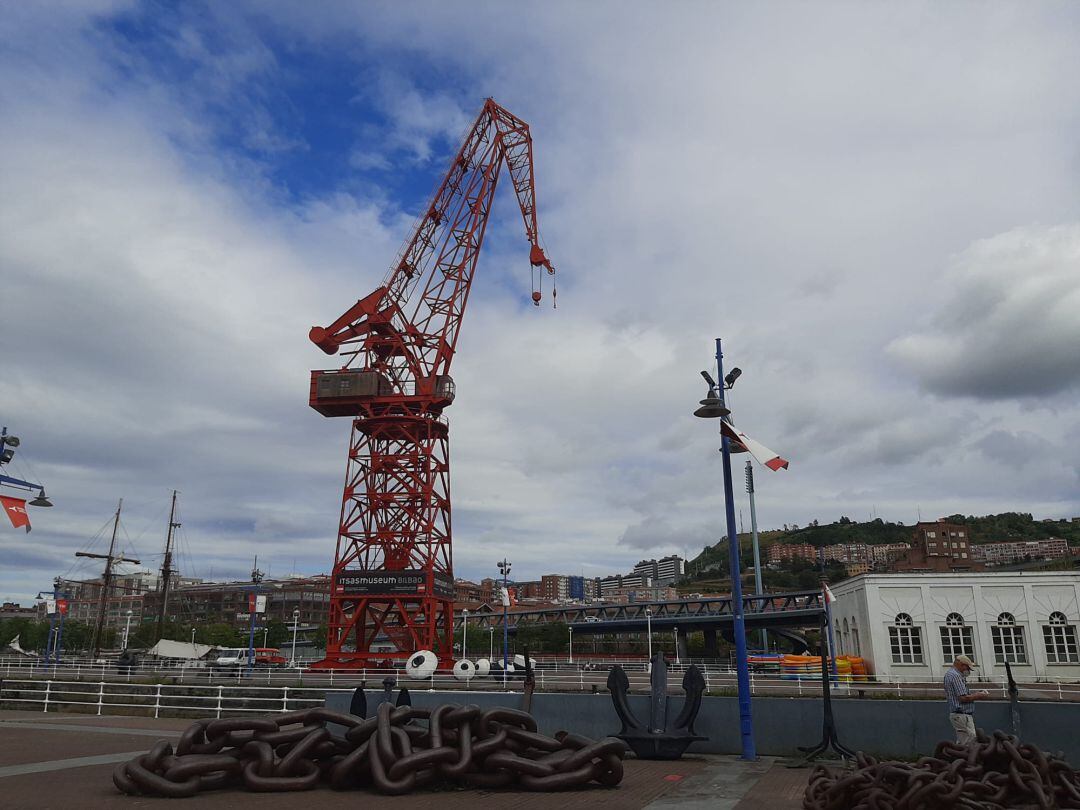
846,644
1008,640
1060,639
855,637
956,639
905,640
839,639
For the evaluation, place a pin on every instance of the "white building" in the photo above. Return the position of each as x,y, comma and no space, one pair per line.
912,626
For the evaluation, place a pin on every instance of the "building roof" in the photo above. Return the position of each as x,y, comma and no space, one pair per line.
179,649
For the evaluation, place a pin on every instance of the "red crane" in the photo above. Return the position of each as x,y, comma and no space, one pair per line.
393,568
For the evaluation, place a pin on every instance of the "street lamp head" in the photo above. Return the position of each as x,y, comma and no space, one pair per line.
712,407
732,376
41,500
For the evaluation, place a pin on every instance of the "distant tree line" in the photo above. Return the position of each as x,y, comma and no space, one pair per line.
78,636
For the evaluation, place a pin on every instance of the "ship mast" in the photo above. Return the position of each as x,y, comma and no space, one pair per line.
166,568
106,580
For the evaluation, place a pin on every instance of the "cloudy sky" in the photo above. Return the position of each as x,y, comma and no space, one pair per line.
874,205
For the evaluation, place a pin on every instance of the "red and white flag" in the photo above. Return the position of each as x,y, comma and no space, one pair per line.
829,598
760,452
16,511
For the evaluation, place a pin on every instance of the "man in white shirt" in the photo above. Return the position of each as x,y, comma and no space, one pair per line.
961,701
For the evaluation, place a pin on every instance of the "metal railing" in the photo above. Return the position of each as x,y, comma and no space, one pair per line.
552,675
109,697
251,695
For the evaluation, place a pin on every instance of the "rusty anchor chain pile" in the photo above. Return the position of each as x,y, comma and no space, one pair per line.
993,773
394,752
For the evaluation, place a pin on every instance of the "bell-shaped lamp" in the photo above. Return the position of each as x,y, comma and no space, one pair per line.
712,407
41,500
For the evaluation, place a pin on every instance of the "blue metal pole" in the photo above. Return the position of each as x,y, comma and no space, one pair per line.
746,724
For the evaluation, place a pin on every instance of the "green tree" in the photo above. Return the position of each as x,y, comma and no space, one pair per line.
33,635
219,635
277,633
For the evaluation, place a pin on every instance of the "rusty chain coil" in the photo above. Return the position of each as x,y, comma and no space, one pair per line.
399,750
994,772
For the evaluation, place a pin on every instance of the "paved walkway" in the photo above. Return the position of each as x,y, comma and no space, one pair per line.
66,760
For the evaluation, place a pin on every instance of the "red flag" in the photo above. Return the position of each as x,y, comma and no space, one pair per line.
16,510
62,606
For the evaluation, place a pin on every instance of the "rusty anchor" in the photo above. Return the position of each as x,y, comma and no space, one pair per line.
659,739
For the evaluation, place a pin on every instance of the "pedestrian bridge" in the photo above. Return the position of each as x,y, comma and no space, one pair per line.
768,610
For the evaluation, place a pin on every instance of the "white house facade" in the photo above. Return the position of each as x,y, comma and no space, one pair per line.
912,626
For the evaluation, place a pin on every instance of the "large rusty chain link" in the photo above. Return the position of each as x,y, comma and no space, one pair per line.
400,749
993,773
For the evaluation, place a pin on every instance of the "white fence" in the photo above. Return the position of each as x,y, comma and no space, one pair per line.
108,697
116,694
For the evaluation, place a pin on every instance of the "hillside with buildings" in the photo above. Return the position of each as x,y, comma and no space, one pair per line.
794,556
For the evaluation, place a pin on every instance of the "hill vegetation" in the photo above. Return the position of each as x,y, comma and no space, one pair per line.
710,568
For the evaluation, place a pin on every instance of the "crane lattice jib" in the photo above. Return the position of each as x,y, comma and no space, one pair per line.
393,580
414,343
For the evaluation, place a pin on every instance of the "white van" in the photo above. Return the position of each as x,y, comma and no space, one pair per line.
230,658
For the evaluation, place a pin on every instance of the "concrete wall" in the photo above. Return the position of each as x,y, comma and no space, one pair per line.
886,728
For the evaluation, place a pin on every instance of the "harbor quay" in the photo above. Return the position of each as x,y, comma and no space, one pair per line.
66,760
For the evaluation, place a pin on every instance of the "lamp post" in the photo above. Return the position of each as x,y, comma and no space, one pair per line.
504,569
192,636
52,616
127,629
648,633
712,407
253,604
678,660
266,634
295,625
570,659
757,548
8,443
491,642
464,632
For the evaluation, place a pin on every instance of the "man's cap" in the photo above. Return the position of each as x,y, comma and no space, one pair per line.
963,659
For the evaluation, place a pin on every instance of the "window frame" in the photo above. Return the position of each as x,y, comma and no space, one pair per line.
1007,638
1059,640
905,642
957,638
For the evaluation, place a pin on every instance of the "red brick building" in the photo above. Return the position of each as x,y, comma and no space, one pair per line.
939,547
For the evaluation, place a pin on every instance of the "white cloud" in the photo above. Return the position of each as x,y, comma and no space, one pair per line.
1006,326
789,178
